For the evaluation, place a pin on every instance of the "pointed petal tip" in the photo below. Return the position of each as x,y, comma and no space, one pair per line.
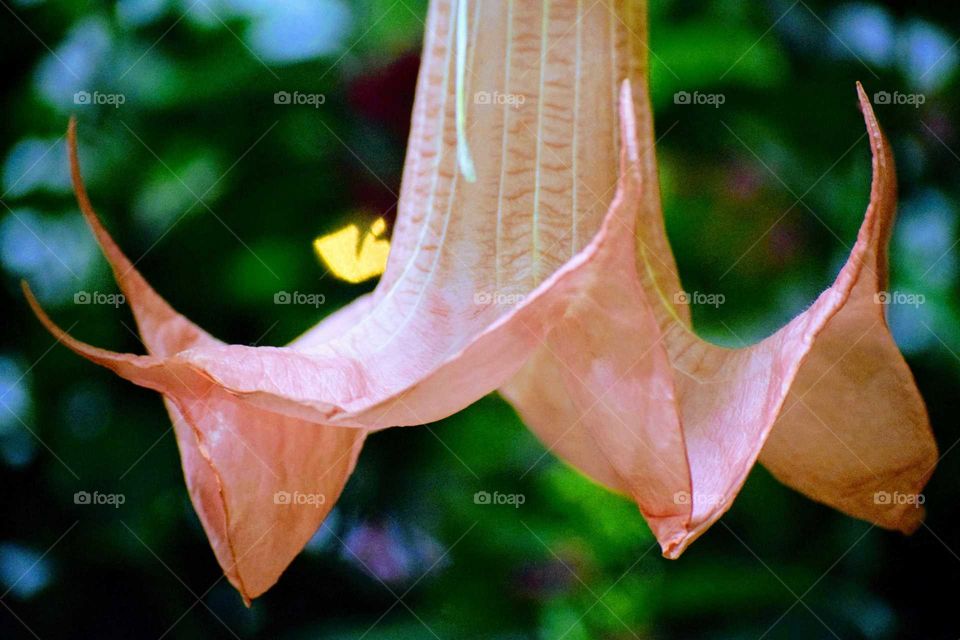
76,178
83,349
866,106
80,192
906,519
672,549
673,532
864,98
39,312
677,533
911,519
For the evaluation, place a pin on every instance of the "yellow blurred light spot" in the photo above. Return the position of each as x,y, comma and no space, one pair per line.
352,258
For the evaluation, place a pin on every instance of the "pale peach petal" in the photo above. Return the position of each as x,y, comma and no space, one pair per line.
732,399
434,336
538,391
539,395
235,457
422,350
676,417
245,468
432,314
617,399
371,386
854,433
869,432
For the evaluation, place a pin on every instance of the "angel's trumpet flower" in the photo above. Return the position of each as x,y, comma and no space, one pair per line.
529,255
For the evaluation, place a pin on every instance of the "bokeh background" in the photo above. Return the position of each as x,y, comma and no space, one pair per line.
222,192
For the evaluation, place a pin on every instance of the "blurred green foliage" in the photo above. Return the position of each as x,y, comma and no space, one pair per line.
221,191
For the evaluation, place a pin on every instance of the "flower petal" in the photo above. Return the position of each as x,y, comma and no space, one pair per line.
240,462
410,358
435,335
680,422
838,364
578,302
244,467
854,433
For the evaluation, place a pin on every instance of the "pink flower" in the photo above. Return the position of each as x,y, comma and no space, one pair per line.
529,256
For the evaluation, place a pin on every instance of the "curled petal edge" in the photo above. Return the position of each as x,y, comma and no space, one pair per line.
687,420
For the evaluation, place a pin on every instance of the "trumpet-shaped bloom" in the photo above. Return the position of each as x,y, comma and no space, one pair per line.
529,255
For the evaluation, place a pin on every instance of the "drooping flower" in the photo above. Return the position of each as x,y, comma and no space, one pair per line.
529,255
